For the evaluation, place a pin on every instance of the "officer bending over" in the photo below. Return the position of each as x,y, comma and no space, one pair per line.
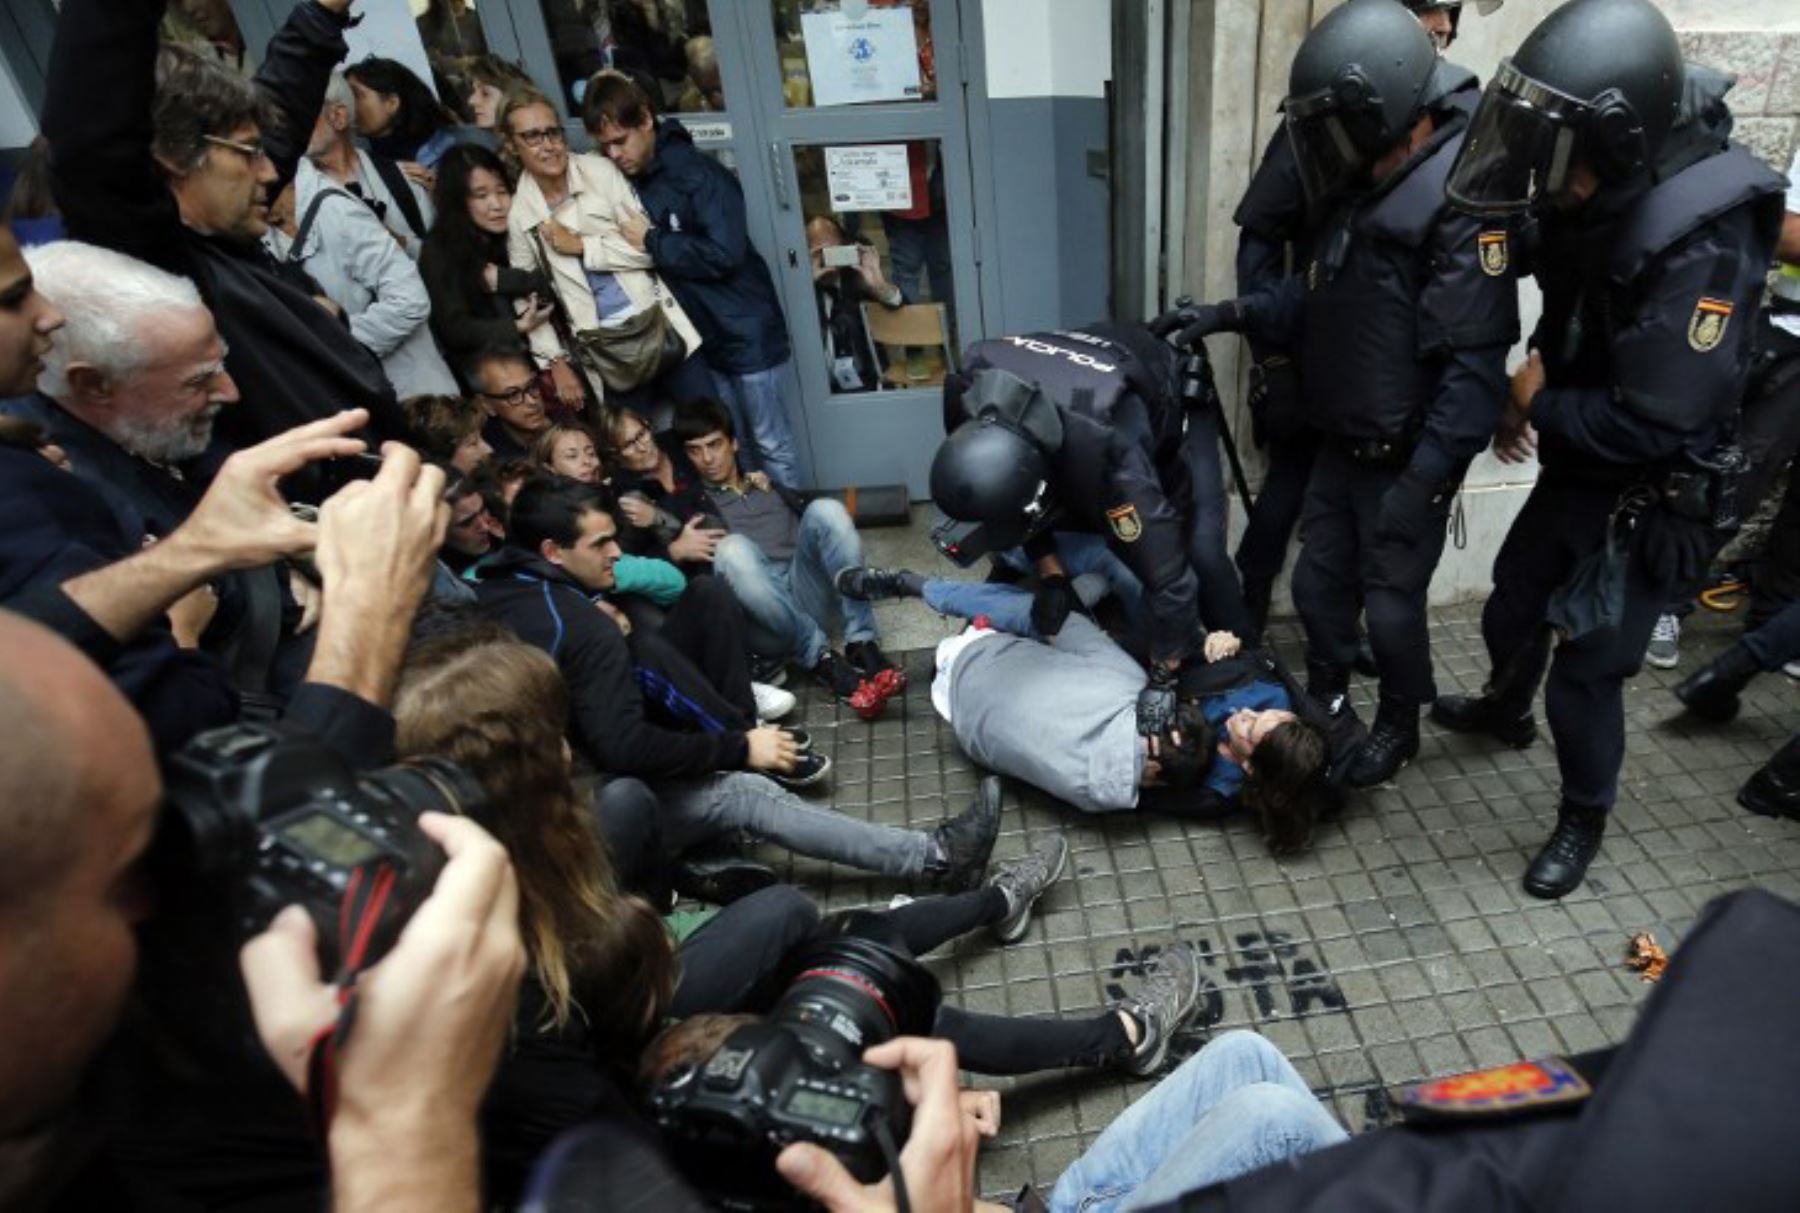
1652,263
1404,316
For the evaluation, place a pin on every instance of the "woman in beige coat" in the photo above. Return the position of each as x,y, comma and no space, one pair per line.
564,221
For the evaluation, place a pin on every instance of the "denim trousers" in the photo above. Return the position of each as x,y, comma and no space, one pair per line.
1088,555
696,811
754,398
790,605
1233,1107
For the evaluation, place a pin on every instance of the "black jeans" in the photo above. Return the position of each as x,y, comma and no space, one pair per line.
701,651
731,964
1263,549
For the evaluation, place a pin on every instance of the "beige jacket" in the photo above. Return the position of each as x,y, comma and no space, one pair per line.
600,193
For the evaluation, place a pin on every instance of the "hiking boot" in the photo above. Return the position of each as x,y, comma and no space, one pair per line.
723,880
867,584
1711,692
1484,714
1165,1002
809,768
961,846
1664,651
1023,881
1563,861
866,657
1329,686
1774,791
839,679
1393,742
772,703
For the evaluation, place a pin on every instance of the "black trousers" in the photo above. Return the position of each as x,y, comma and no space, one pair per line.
703,650
1562,524
1221,597
733,963
1263,549
1342,561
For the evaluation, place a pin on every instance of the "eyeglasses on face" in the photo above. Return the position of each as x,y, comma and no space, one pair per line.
514,395
538,136
249,151
637,441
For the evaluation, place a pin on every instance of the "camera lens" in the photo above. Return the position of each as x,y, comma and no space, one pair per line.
863,990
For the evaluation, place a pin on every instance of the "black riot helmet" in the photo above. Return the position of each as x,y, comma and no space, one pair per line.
1598,82
1357,86
1454,8
994,468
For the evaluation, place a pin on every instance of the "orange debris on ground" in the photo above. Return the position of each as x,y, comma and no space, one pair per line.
1646,956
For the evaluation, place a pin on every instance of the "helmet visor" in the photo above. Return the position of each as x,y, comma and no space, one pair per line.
1519,149
1324,146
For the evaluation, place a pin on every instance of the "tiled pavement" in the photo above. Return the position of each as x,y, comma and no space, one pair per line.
1399,946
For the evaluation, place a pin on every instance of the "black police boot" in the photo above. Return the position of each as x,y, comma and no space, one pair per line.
1774,791
1329,685
1711,692
1393,742
1257,594
1484,713
1560,866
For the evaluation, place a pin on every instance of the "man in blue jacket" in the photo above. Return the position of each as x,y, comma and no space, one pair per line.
696,236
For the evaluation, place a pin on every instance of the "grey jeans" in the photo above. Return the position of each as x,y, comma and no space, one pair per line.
695,811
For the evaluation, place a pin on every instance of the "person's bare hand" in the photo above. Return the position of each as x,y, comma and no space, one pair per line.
415,171
431,1015
379,538
242,521
335,6
696,543
1220,645
983,1108
1527,382
537,312
772,749
307,597
490,277
568,384
637,510
1514,441
191,613
868,264
561,238
635,227
330,306
759,481
938,1161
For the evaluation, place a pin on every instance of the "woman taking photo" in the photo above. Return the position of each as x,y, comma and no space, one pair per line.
618,323
478,301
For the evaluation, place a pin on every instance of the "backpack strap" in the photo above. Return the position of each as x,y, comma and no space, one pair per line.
296,253
397,184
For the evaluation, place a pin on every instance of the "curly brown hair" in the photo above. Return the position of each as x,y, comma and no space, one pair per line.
1285,784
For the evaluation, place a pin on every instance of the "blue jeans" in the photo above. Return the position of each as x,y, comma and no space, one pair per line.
789,605
1232,1107
1083,553
761,415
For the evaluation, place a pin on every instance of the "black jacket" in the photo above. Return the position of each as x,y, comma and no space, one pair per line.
702,249
608,722
466,318
291,359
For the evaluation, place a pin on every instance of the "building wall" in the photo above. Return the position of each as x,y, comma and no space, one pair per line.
1047,63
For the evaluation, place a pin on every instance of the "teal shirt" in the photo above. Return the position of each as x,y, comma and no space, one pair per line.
657,580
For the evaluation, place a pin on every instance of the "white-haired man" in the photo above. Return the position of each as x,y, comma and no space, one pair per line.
400,202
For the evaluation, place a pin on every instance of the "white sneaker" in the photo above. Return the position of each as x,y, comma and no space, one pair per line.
1791,669
772,703
1665,643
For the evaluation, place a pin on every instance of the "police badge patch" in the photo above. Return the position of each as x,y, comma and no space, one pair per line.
1707,328
1125,523
1493,253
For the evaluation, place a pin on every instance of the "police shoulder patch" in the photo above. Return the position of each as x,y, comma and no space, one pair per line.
1125,522
1504,1089
1493,248
1707,328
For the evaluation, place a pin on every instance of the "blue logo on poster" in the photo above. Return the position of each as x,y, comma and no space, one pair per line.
862,50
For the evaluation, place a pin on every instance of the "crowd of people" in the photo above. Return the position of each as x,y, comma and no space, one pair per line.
336,413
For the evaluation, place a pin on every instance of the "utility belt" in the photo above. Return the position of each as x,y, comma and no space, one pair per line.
1704,488
1388,454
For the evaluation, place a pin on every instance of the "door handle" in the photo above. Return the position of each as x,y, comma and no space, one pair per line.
778,176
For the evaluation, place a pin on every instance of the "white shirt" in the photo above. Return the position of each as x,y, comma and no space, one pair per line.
948,650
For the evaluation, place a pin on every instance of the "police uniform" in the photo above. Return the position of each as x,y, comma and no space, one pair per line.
1650,304
1134,465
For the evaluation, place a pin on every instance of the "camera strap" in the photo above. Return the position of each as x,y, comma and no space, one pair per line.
358,915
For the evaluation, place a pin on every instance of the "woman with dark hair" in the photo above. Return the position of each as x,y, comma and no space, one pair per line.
478,301
400,116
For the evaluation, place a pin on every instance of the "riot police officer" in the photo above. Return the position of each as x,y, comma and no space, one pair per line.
1405,315
1103,430
1652,259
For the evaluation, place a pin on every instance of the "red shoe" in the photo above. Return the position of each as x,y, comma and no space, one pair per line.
868,702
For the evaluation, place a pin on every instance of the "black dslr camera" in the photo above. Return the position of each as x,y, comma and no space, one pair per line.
798,1075
259,820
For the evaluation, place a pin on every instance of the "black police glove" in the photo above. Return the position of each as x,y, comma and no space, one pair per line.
1676,550
1051,605
1156,702
1187,324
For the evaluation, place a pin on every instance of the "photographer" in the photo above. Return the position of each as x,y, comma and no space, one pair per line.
845,273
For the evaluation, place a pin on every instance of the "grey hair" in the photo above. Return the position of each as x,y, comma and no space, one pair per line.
107,299
337,92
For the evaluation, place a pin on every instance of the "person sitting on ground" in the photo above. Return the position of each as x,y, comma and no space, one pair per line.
660,494
780,558
477,299
1061,714
505,381
450,431
402,204
840,291
569,451
346,248
401,117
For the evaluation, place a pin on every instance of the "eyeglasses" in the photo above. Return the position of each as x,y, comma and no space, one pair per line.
637,441
249,151
514,395
538,136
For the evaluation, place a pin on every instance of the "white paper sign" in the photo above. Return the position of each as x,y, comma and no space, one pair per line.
852,60
868,177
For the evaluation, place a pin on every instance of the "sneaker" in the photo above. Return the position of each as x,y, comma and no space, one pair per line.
837,677
723,880
1170,993
961,846
772,670
1023,881
867,584
1665,643
772,703
1791,669
809,769
801,738
866,657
